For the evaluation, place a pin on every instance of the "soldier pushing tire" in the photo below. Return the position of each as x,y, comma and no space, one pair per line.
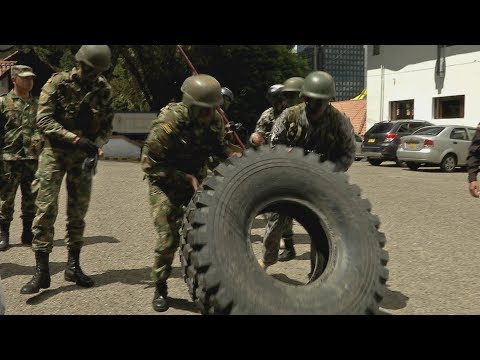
220,268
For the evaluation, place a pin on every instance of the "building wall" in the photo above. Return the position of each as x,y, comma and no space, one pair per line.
346,63
133,123
409,73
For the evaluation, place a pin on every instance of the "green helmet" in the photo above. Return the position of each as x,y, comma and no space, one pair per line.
293,84
95,56
319,85
202,90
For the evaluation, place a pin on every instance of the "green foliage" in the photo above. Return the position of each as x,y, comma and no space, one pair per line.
147,77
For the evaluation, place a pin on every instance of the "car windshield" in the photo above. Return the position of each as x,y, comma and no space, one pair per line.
435,130
381,128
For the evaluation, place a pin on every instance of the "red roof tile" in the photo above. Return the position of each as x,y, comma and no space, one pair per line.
5,66
356,110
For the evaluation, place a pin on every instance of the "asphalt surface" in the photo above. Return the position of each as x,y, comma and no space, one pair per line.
429,219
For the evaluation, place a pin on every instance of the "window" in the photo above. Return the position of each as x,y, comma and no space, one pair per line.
401,109
431,130
376,50
448,107
459,134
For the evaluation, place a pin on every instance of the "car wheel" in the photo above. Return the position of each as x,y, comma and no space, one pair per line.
375,162
220,267
449,163
412,165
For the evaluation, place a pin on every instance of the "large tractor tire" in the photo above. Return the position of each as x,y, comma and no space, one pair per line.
220,268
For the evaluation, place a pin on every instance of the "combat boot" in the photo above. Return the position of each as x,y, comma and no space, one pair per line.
27,235
74,272
160,302
41,278
4,236
289,252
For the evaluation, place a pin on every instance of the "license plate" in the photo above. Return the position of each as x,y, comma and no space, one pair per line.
411,145
371,140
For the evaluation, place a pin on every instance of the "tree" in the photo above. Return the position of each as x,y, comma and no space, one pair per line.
147,77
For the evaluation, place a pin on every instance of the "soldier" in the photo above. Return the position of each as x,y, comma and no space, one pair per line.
20,148
291,91
265,123
473,164
316,126
174,160
75,114
227,95
289,96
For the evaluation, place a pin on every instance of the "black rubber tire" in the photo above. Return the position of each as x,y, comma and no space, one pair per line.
375,162
220,267
413,165
449,162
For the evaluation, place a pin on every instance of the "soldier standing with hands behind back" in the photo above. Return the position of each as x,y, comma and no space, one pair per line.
20,146
75,113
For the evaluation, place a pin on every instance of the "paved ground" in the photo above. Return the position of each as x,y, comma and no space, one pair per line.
428,217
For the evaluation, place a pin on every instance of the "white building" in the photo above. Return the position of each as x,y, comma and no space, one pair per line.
437,83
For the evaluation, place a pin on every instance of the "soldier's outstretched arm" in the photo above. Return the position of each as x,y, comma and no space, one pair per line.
346,145
45,114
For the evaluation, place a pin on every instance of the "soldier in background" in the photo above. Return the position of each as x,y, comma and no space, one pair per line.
316,126
284,96
174,159
261,135
75,114
20,146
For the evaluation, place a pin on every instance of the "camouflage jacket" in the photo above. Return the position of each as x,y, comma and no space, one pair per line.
20,138
473,159
176,145
265,123
332,137
68,107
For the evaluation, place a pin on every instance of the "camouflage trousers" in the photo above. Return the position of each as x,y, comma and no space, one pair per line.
17,173
53,164
166,207
278,226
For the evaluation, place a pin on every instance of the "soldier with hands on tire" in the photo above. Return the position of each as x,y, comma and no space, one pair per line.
174,160
315,125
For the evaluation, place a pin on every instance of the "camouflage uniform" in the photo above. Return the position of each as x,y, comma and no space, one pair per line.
20,148
332,137
68,108
177,145
265,123
264,128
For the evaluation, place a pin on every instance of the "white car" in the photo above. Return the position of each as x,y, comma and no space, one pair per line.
440,145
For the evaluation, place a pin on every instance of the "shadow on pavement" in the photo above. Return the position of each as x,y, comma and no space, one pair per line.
9,269
183,304
284,278
394,300
130,277
90,240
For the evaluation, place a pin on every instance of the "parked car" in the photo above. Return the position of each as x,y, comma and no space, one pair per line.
443,145
358,147
381,141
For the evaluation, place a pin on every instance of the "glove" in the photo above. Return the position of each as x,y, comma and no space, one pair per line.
88,146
